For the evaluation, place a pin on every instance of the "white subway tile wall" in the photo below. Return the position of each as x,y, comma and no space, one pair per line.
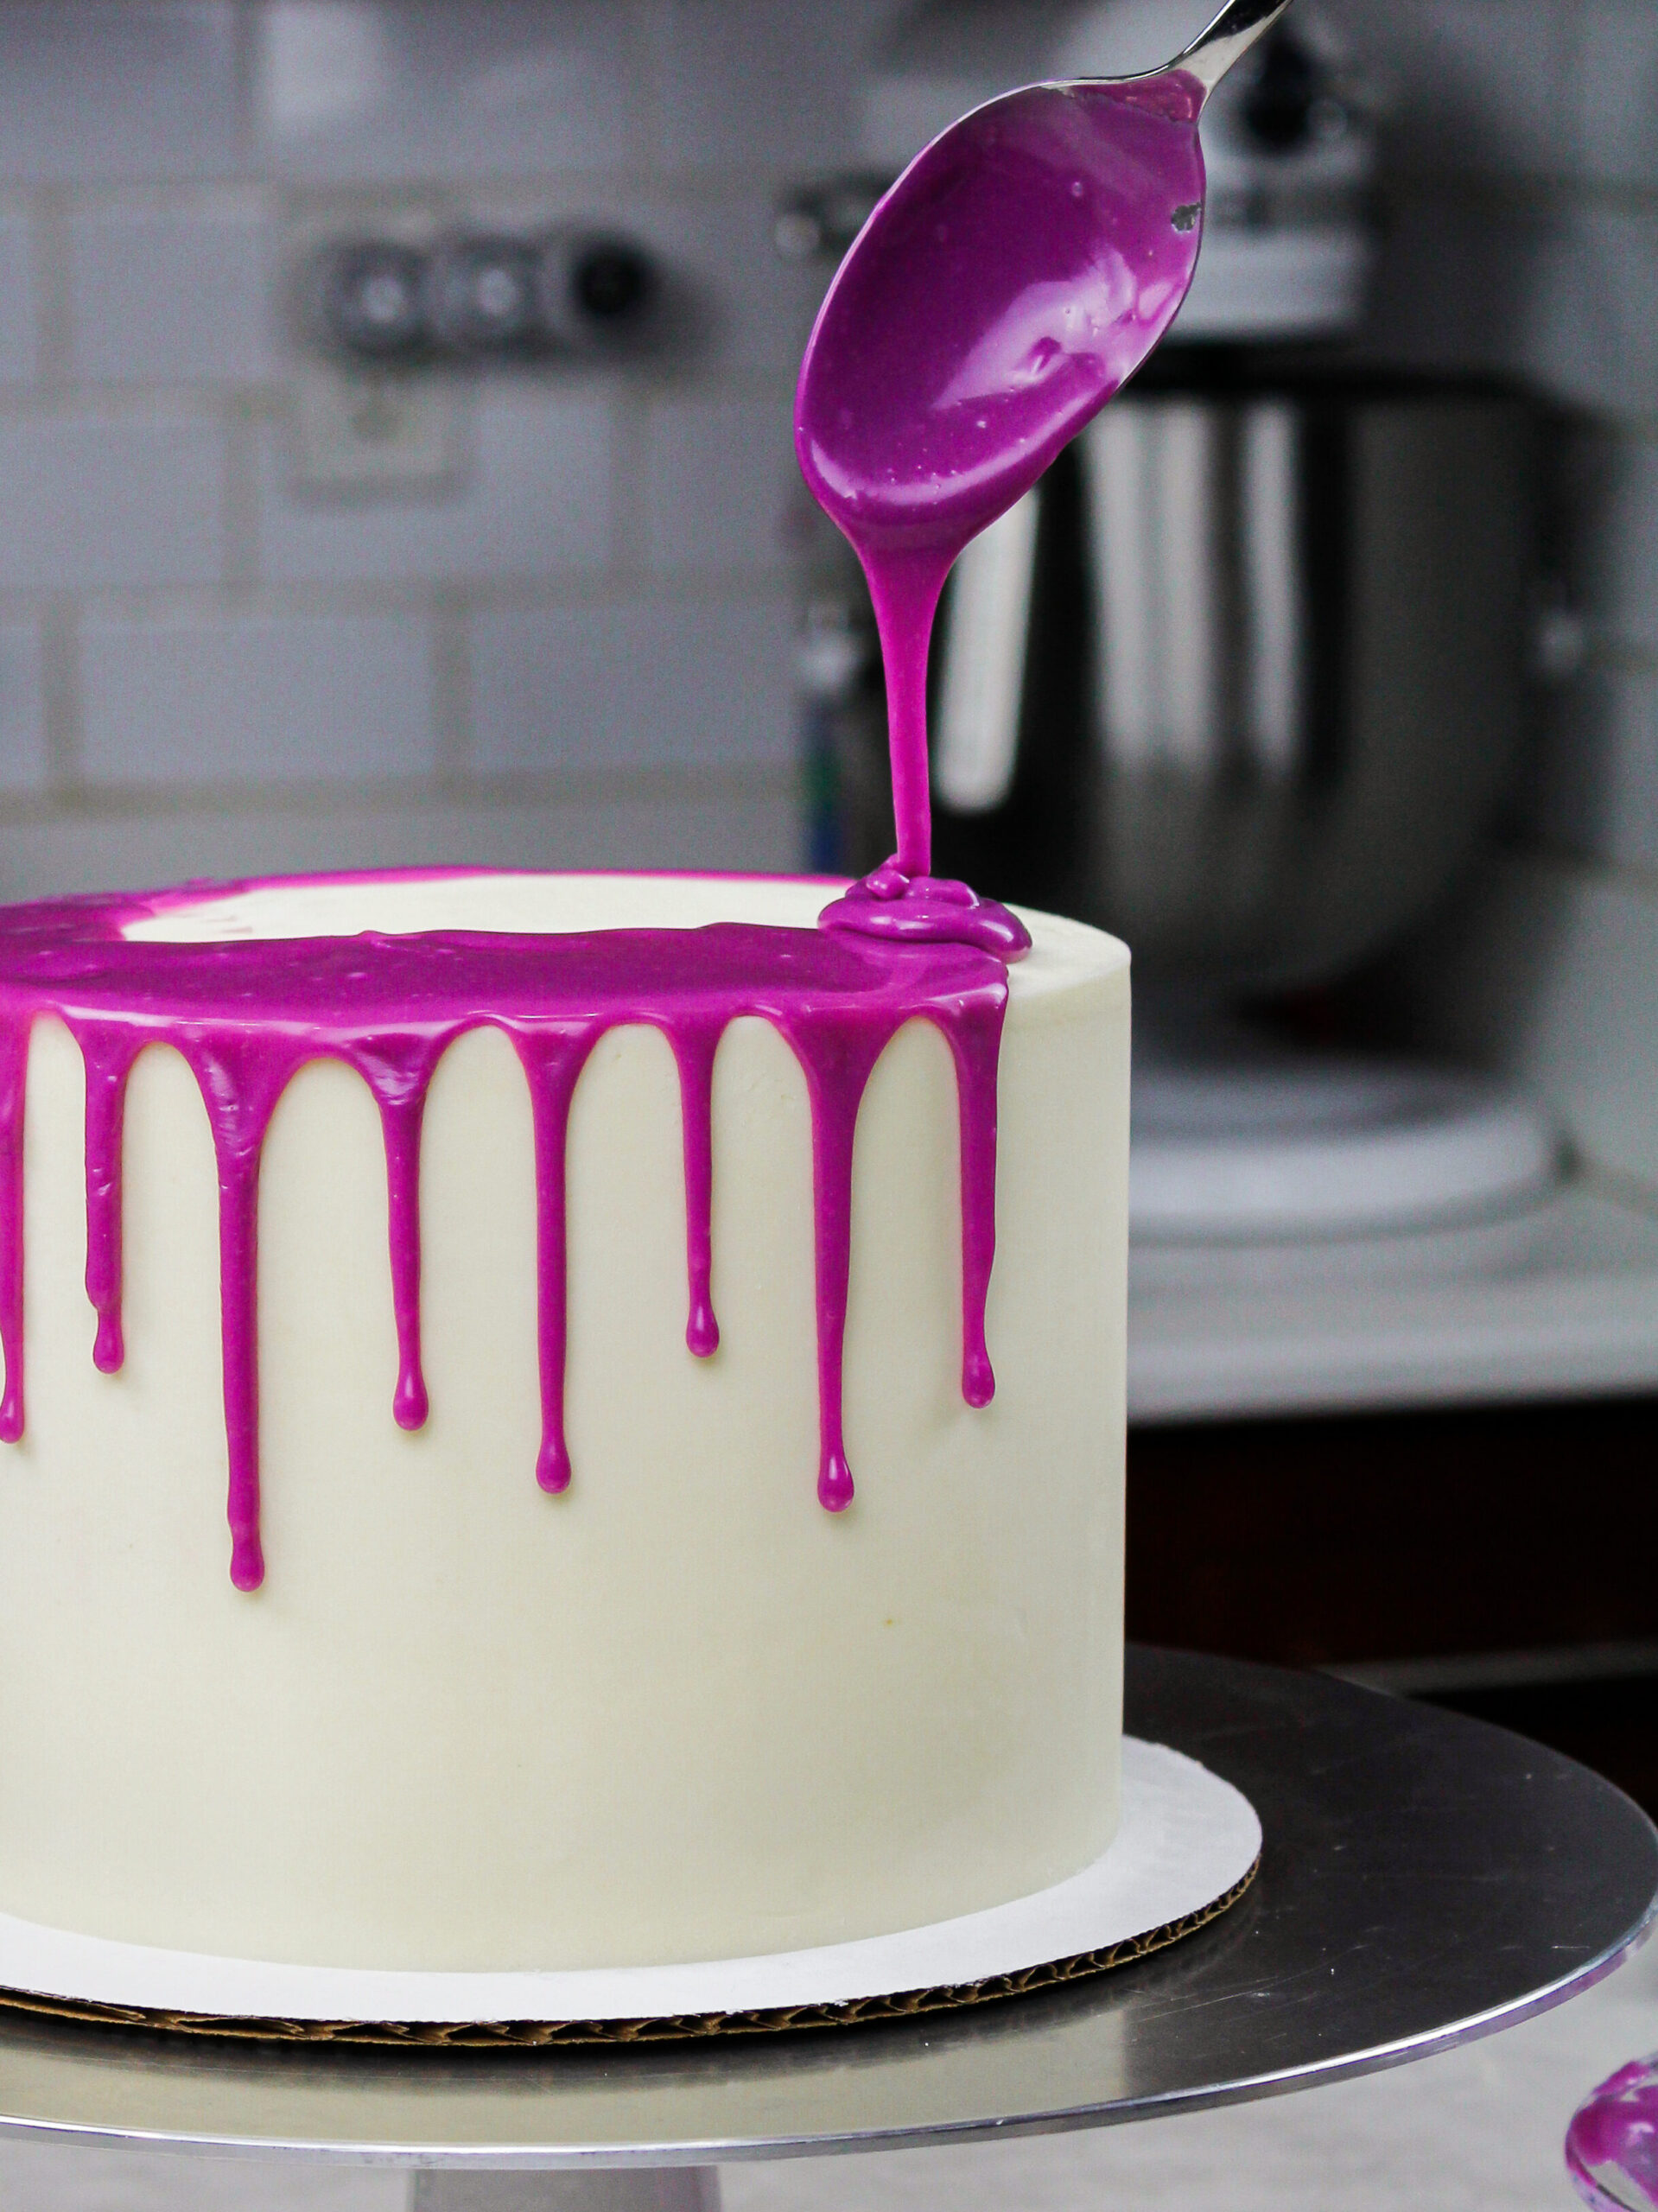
1617,540
89,499
1617,91
174,290
690,683
1547,970
346,91
23,708
1591,334
536,502
266,699
719,475
19,330
147,93
745,80
1596,789
557,618
1473,84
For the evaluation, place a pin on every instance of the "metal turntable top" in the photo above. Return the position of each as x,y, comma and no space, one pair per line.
1425,1879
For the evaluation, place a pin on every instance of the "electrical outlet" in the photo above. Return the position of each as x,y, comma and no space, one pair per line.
370,430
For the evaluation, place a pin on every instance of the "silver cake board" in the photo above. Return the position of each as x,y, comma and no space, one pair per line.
1187,1845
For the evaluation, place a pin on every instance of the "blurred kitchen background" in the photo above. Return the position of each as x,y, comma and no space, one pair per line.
395,468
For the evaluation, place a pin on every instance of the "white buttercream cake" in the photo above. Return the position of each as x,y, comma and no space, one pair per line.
457,1718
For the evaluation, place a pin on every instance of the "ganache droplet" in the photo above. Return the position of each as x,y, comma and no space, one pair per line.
978,1384
835,1482
552,1466
703,1331
247,1562
109,1346
410,1404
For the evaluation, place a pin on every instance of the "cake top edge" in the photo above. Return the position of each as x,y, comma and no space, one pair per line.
530,902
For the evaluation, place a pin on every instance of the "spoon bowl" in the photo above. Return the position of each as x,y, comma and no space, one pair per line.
1015,276
1019,271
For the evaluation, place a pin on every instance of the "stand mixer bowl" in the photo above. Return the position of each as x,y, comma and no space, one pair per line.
1243,678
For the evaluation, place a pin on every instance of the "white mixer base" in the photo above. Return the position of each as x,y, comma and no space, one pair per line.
1253,1143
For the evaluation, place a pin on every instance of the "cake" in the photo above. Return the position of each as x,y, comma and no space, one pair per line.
661,1526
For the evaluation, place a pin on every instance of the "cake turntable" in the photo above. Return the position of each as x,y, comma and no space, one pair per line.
1426,1879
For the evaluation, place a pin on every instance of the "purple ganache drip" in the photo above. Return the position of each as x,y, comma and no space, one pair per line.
247,1015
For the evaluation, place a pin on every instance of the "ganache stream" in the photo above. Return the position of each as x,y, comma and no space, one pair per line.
246,1015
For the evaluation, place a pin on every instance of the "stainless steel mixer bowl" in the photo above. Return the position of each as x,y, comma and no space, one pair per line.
1244,678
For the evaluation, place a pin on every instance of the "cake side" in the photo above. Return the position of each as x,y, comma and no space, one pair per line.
677,1711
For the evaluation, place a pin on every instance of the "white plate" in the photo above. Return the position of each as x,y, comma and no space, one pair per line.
1187,1837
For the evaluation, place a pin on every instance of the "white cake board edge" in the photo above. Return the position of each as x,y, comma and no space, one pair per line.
1186,1841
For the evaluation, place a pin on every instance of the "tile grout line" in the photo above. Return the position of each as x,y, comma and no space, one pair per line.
239,516
452,688
51,274
495,794
630,433
64,705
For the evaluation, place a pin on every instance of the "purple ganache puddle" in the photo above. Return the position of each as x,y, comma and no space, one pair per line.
246,1015
1612,2146
1016,275
931,909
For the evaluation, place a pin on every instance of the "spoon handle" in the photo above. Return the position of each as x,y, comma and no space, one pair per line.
1233,32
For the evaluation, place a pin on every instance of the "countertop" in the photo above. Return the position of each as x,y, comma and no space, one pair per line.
1557,1300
